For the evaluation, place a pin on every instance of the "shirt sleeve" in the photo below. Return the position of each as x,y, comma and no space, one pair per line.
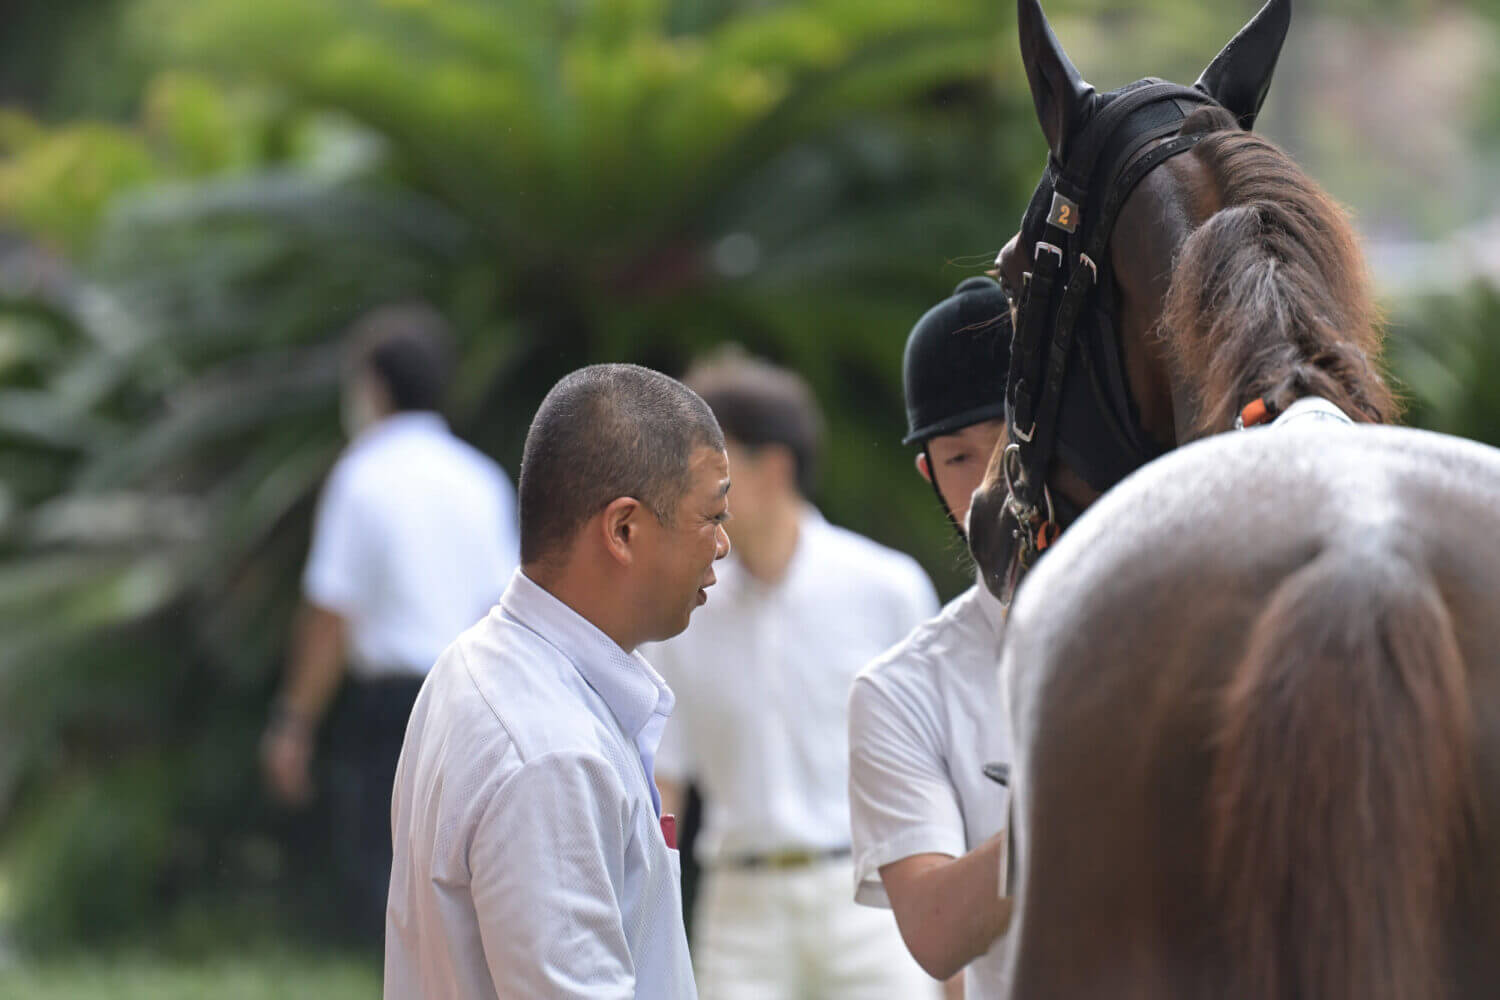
547,871
901,801
338,561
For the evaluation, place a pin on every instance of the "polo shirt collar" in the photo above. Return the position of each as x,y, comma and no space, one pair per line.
633,691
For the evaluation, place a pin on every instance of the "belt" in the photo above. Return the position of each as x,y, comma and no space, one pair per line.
784,860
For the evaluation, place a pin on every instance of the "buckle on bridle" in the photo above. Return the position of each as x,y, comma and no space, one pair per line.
1031,531
1084,259
1044,245
1011,458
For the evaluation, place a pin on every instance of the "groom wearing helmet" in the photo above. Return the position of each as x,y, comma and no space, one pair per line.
929,833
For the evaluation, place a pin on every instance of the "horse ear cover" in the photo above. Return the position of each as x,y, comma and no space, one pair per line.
1240,75
1061,95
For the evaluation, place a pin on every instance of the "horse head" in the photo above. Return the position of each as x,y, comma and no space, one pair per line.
1119,355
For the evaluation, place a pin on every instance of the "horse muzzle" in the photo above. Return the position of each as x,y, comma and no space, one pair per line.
997,540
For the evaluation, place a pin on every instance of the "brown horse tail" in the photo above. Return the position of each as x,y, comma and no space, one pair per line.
1340,792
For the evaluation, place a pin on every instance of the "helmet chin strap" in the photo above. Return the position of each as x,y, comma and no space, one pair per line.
932,481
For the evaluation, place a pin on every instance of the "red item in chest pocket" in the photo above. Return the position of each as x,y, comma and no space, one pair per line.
669,830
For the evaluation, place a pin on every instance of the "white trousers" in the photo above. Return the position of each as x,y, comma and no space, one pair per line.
797,934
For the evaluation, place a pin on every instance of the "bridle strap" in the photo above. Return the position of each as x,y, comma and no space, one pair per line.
1130,177
1075,294
1072,184
1026,358
1088,147
1071,252
1085,277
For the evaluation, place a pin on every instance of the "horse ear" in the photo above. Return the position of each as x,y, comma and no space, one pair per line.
1239,76
1060,94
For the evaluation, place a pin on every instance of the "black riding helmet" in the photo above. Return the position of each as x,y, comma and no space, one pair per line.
955,367
957,358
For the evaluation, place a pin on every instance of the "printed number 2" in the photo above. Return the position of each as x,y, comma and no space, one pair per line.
1065,215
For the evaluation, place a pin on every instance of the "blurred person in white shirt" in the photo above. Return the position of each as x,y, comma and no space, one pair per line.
762,680
414,539
925,718
531,856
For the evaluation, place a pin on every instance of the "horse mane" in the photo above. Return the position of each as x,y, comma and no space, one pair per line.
1270,296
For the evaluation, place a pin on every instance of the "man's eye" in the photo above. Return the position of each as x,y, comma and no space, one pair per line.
957,460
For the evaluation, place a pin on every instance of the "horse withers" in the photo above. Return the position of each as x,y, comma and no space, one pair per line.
1255,691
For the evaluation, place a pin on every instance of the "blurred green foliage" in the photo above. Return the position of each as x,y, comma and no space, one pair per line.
64,57
1446,352
570,181
254,976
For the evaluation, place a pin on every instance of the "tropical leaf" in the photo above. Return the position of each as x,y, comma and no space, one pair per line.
568,182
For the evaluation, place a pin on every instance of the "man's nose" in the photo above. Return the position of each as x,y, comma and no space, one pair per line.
721,545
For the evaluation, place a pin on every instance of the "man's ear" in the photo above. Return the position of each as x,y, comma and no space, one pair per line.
923,467
620,526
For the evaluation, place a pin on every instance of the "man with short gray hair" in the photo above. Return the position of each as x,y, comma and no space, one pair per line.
531,858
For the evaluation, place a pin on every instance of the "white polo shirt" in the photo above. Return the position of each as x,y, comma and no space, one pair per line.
762,679
529,859
924,719
415,538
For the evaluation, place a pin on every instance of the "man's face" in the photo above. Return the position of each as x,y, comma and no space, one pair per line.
681,553
958,463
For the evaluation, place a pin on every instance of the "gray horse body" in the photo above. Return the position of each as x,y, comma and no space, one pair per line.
1122,643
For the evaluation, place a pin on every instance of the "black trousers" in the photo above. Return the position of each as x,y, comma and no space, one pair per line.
364,745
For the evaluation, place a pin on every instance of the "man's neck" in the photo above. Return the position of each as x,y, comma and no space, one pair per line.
767,555
580,592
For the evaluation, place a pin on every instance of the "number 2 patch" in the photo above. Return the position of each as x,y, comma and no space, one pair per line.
1064,214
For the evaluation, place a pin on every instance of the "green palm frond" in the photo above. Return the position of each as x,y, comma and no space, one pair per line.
636,179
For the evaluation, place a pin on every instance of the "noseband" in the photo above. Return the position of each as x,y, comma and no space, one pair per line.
1065,343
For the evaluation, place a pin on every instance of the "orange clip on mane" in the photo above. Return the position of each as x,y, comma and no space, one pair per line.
1255,412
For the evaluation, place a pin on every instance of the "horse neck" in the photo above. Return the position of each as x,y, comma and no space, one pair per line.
1268,300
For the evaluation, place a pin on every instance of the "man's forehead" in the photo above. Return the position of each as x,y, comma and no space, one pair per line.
709,463
707,454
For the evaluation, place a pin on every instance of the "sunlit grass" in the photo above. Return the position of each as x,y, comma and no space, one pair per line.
256,976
